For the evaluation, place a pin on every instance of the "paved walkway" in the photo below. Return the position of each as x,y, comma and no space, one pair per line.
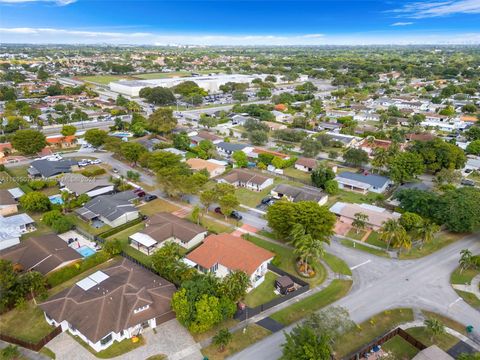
170,338
473,287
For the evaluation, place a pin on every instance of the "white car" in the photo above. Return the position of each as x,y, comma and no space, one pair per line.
96,161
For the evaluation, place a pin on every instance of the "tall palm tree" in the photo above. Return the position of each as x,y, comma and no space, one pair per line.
305,246
380,158
435,327
388,231
426,231
466,259
401,239
360,221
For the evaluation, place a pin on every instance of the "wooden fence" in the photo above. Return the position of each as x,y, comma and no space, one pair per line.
35,347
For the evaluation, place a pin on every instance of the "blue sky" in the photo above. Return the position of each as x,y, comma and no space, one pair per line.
250,22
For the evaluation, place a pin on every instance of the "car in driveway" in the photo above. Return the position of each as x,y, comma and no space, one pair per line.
96,161
149,197
234,215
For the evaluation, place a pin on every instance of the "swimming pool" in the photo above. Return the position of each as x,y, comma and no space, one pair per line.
122,134
85,251
56,199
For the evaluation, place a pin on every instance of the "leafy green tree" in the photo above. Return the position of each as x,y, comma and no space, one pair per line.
448,176
189,88
112,247
181,141
305,246
158,95
35,201
206,149
207,121
473,148
68,130
355,157
96,137
438,154
167,261
222,339
234,286
359,221
228,203
448,111
62,224
381,158
10,352
133,175
405,166
310,147
240,158
264,93
469,108
459,209
391,232
28,142
207,198
424,203
411,221
195,214
331,187
426,231
473,133
332,322
132,151
258,137
162,121
303,343
321,175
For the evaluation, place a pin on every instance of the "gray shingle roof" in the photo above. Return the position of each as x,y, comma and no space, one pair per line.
112,207
48,168
371,179
231,146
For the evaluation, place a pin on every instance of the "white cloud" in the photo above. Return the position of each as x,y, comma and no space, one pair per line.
419,10
95,36
58,2
400,23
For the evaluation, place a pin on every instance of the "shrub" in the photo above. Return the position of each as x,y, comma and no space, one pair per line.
93,172
37,184
62,224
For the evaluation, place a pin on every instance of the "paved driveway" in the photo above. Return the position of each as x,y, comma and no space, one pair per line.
170,339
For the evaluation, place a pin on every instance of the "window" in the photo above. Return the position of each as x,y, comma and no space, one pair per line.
136,311
214,268
106,339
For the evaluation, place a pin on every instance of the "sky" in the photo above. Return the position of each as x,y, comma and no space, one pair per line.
247,22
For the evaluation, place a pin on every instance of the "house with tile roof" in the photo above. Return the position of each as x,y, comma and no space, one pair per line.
111,305
78,184
305,164
213,167
246,178
223,253
376,215
296,194
163,227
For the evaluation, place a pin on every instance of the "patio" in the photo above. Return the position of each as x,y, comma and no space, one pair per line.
79,240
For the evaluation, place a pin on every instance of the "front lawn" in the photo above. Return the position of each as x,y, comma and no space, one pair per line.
229,323
264,292
361,247
444,341
285,259
374,239
336,264
399,348
353,197
441,240
252,198
354,234
240,340
452,324
336,290
116,349
463,277
298,174
25,323
156,206
213,225
370,329
469,298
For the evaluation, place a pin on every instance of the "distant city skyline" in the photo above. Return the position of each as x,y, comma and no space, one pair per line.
248,22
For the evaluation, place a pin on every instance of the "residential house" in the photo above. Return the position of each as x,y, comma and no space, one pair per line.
331,126
246,178
62,142
226,149
369,145
376,215
305,164
257,151
12,227
45,253
111,305
8,204
150,144
282,117
335,114
113,210
296,194
204,135
5,149
48,168
363,182
16,193
221,254
163,227
274,126
213,168
78,184
174,151
346,140
239,119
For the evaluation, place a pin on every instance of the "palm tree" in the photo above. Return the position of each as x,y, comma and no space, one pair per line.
435,327
388,231
305,246
466,259
380,158
426,231
360,221
402,239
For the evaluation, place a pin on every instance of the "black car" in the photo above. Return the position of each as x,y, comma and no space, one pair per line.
234,215
467,182
149,197
266,200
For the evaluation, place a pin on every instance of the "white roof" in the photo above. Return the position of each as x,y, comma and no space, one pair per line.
355,183
143,239
92,280
98,276
16,192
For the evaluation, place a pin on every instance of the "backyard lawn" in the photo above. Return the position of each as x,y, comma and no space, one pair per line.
353,197
287,258
370,329
298,174
27,324
400,349
156,206
361,247
123,237
444,341
336,264
86,226
264,292
240,340
336,290
441,240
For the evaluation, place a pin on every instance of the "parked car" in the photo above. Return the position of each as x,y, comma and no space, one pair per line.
96,161
467,182
234,215
115,170
149,197
267,200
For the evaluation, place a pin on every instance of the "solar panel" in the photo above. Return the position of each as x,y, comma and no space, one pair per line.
98,276
86,283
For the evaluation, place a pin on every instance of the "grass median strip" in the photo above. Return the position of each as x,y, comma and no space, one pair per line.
336,290
354,245
336,264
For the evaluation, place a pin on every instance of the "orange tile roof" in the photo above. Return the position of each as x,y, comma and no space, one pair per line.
280,107
469,118
61,139
274,153
232,252
199,164
375,143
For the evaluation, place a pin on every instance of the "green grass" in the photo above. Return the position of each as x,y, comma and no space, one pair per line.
370,329
463,277
41,228
47,352
26,323
443,341
374,239
156,206
252,198
264,292
400,349
353,197
19,172
452,324
336,290
157,357
298,174
123,237
229,323
441,240
352,234
469,298
8,182
86,226
159,75
116,349
240,340
361,247
336,264
287,260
